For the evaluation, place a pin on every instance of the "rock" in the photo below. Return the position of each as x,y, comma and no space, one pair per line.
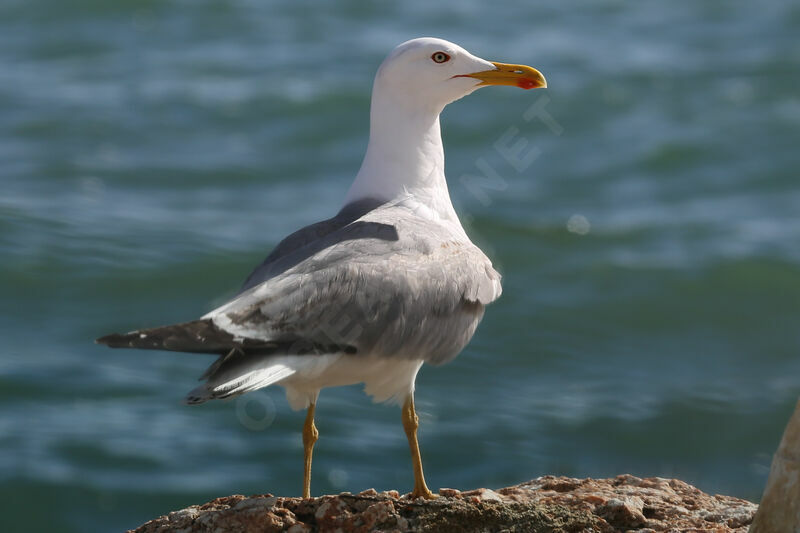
625,513
780,505
552,504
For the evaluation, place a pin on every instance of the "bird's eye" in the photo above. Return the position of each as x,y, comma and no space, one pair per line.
440,57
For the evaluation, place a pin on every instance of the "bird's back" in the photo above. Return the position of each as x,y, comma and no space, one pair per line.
388,282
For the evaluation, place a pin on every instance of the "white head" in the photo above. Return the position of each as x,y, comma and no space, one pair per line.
413,84
431,73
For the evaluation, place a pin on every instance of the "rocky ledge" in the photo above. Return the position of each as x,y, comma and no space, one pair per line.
552,504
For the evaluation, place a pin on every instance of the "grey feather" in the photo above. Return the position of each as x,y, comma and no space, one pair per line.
386,282
376,279
305,242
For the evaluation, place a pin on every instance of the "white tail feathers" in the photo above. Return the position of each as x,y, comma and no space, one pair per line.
226,386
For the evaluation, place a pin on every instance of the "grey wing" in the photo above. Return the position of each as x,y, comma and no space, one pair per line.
307,241
419,295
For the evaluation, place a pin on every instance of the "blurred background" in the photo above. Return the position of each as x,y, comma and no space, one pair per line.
152,153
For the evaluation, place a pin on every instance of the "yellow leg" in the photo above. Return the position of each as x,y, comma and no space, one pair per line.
310,436
410,424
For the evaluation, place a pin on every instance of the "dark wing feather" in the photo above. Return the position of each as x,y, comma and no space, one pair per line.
202,336
198,336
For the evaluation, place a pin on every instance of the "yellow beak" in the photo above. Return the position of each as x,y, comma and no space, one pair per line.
521,76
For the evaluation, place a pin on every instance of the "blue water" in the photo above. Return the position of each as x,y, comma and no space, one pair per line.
151,153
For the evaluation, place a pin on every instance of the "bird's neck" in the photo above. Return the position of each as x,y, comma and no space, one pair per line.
405,157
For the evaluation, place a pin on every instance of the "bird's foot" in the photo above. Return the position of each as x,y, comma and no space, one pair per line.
423,493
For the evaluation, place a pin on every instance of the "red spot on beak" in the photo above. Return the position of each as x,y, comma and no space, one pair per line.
527,83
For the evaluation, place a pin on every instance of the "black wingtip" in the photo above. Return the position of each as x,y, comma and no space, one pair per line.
113,340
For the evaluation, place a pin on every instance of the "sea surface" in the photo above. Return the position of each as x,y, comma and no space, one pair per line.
644,212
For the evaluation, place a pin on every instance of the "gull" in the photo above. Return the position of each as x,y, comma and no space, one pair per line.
389,283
